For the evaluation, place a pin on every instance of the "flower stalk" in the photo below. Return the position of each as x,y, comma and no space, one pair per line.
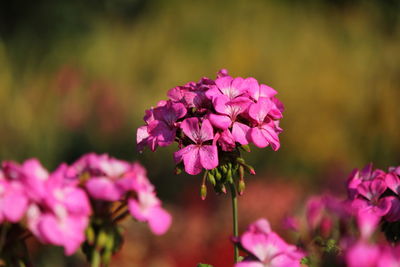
234,220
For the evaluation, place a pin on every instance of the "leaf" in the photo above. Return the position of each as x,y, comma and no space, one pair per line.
204,265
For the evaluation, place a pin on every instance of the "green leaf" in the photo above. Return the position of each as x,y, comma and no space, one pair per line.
204,265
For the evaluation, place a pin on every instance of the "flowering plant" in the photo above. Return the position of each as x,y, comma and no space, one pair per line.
211,120
76,205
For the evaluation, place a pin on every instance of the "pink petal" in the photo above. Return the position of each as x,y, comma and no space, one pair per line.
258,138
261,226
15,204
271,135
258,111
378,187
190,127
76,201
207,131
159,220
367,222
252,87
224,83
239,132
220,104
266,91
220,121
103,188
227,141
191,159
162,132
393,182
50,230
249,264
208,156
393,214
256,244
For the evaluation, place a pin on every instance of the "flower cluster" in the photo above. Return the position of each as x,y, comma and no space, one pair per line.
210,120
213,115
266,248
346,231
374,196
59,206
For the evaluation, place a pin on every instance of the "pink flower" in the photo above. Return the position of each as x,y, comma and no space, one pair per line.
369,198
230,110
198,155
265,131
13,197
147,208
58,227
192,95
59,210
160,129
267,248
13,200
111,179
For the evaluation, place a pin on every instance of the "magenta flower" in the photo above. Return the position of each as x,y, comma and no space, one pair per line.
230,87
59,210
111,179
265,131
192,95
147,208
230,110
13,200
161,128
198,155
370,193
13,196
58,227
267,248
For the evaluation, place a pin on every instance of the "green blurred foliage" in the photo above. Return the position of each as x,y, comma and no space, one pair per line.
76,76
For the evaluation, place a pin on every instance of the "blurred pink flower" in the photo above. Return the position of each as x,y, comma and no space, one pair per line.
267,248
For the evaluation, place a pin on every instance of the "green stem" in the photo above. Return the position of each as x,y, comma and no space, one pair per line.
235,219
95,258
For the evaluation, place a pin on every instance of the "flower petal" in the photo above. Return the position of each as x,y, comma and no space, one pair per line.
209,157
240,132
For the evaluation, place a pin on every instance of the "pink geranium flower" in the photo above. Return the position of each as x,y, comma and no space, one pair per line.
147,208
267,248
265,131
161,128
229,87
370,193
230,110
198,155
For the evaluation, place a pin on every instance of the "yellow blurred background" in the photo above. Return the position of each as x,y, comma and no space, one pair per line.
76,76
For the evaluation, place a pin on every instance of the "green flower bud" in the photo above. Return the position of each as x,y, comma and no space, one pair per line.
211,179
203,192
241,187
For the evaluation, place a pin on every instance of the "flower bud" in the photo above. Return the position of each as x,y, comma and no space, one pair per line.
218,175
203,192
245,148
241,188
211,179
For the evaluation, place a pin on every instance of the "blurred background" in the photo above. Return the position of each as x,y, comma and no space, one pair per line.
76,76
